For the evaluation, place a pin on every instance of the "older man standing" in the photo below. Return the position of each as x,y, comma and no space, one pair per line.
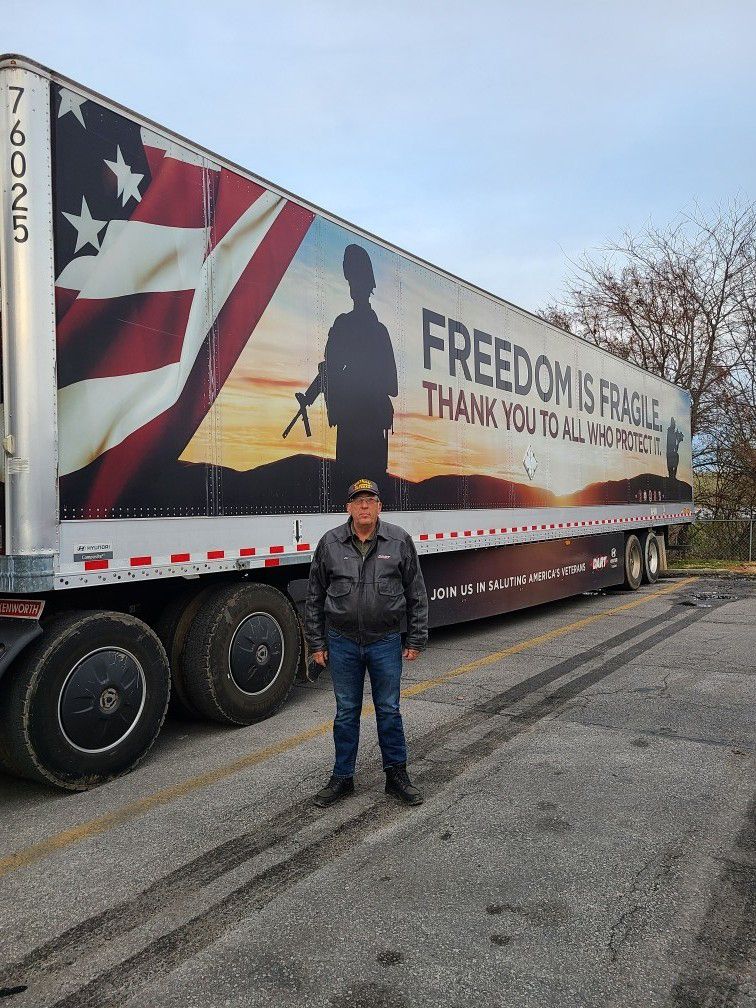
365,579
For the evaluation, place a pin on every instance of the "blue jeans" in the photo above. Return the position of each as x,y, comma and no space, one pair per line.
348,661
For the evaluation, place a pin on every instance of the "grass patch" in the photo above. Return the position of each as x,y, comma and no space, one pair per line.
732,566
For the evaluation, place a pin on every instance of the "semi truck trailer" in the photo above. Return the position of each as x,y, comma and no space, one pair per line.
196,364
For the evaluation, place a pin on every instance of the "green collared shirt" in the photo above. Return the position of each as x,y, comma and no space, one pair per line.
363,547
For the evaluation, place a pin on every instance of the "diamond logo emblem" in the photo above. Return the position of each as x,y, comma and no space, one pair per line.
530,462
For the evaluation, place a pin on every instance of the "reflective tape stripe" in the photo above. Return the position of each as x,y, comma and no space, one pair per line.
96,565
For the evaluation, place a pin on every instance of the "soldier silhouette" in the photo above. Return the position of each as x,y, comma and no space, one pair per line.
358,380
674,437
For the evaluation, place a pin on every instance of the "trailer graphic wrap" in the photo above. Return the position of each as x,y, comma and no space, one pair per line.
503,579
223,350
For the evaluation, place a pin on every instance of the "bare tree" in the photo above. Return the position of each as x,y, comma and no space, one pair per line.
681,302
727,468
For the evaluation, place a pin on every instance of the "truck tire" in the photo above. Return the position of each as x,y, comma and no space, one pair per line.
172,626
112,662
651,558
633,563
241,653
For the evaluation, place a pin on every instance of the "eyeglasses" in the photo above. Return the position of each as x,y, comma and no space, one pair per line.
362,498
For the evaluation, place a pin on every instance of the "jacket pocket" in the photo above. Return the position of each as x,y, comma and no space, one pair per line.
338,601
339,586
391,600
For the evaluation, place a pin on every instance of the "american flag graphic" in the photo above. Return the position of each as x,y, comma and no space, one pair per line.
165,262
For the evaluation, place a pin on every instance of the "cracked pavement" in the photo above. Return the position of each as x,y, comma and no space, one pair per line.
587,838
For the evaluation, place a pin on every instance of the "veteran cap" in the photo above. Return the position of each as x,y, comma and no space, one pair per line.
364,486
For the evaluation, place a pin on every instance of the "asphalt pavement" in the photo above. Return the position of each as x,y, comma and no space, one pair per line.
588,836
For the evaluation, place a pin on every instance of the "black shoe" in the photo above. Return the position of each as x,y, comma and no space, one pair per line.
399,785
336,789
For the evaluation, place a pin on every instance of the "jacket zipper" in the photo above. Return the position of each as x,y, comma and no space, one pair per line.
360,584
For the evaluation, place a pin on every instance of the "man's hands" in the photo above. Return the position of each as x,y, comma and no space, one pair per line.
321,657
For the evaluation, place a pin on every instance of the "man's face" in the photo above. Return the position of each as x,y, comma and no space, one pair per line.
364,510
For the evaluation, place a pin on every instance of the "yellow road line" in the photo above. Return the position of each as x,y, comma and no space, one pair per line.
551,635
95,827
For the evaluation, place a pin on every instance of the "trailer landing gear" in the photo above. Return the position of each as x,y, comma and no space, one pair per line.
85,702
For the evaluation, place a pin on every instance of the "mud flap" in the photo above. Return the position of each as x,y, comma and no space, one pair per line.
15,634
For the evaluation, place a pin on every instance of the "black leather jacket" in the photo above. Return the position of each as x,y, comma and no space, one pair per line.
366,599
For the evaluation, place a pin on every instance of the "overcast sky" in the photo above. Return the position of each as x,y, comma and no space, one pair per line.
498,140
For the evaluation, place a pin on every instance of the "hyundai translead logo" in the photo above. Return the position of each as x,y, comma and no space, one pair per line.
600,562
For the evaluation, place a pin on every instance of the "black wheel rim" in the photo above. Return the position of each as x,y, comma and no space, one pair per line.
102,700
256,653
